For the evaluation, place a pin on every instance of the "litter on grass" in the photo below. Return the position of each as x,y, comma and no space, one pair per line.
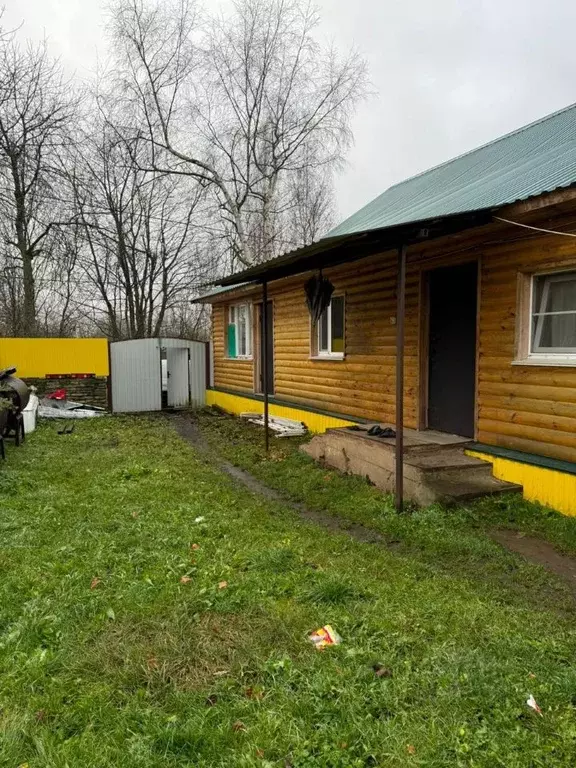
57,406
324,637
531,701
282,427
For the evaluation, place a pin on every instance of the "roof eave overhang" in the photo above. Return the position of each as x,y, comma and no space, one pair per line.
331,252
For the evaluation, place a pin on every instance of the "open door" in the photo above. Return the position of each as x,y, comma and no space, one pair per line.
453,293
178,377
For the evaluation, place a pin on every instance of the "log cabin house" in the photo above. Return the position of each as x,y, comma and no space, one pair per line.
453,315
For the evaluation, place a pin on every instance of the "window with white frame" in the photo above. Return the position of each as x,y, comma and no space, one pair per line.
329,341
239,336
553,315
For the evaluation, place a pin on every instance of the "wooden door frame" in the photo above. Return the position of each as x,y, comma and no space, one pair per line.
257,340
424,334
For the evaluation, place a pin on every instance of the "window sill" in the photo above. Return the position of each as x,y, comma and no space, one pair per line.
548,362
334,357
242,358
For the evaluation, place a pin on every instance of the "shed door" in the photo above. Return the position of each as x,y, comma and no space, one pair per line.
178,377
452,349
197,368
135,376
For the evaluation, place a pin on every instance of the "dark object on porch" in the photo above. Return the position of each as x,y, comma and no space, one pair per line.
378,431
318,291
15,391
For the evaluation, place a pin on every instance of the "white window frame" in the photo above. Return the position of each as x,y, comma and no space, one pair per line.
551,354
327,354
232,320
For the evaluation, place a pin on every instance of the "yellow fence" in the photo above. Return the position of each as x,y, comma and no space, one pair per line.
36,358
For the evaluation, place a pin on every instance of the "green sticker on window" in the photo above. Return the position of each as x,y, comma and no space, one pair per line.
231,341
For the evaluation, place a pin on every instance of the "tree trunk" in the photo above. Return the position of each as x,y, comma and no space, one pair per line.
29,323
29,326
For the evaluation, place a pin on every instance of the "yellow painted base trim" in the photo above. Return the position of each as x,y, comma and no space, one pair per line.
316,422
547,486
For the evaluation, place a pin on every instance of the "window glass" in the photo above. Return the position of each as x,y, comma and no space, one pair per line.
330,329
323,332
337,307
554,313
240,331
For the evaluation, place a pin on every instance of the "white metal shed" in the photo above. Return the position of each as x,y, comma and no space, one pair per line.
149,374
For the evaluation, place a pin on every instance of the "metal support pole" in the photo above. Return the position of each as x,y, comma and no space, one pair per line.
400,317
264,361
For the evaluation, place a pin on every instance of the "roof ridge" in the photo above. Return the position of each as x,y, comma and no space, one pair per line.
516,131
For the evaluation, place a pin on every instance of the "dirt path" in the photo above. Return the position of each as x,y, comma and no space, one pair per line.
534,550
539,552
188,430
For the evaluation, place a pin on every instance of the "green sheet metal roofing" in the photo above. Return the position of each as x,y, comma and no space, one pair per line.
461,193
540,157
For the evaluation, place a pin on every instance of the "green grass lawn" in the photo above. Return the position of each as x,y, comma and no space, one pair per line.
154,613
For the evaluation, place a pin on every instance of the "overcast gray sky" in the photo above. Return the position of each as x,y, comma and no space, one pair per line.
449,75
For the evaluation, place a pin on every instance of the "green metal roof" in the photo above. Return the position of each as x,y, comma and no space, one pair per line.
216,292
540,157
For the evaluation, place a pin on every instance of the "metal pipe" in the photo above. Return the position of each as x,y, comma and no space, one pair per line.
400,318
264,361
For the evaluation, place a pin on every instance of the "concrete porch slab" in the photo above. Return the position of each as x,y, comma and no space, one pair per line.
436,467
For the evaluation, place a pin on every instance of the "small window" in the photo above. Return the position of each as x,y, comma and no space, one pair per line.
240,331
553,314
330,330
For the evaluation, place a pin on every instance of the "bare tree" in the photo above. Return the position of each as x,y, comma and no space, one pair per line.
140,253
36,108
240,105
311,210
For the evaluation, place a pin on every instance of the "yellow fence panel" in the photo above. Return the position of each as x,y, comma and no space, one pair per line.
36,358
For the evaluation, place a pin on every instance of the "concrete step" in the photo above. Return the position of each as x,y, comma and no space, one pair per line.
448,490
442,473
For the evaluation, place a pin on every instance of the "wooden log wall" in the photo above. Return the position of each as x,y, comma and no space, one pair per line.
524,407
528,408
228,372
363,384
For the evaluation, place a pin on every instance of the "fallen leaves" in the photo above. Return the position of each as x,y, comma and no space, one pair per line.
222,584
381,671
195,547
95,581
185,579
238,726
254,693
411,749
531,701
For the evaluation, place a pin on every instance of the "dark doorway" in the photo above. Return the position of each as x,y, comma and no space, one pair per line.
452,305
266,365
